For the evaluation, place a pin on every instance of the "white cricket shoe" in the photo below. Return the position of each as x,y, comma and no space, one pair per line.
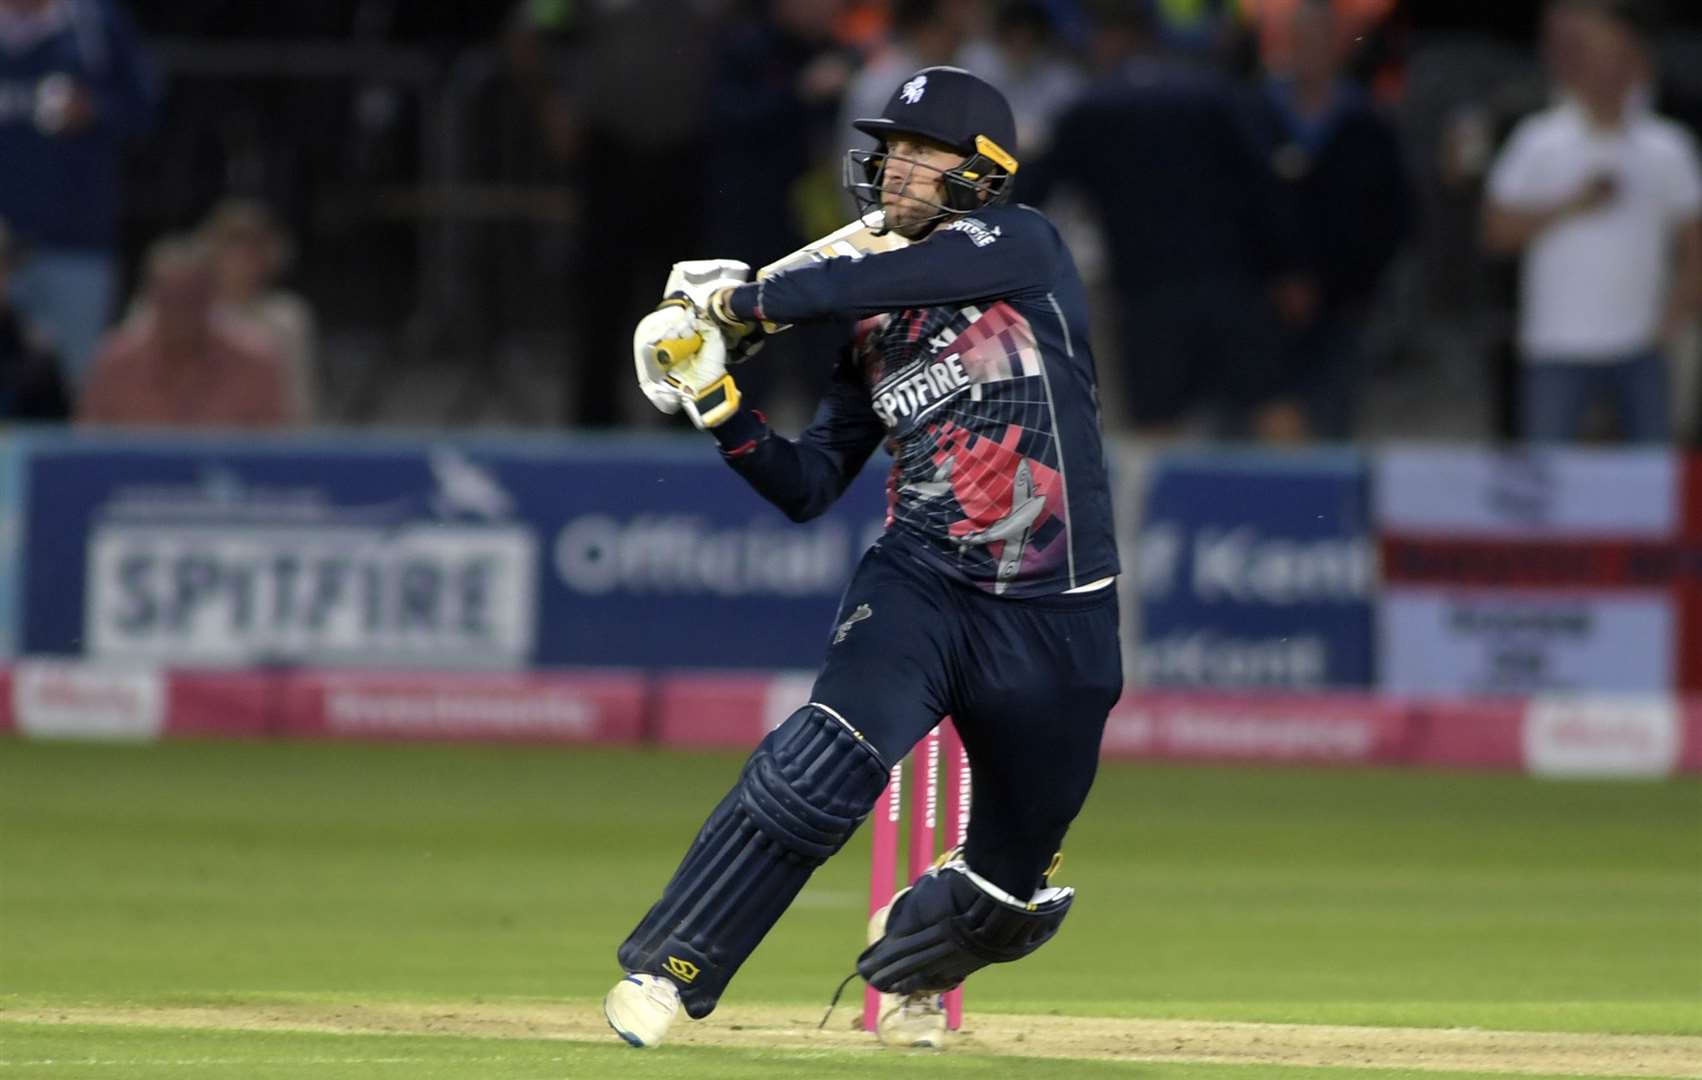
641,1009
907,1020
912,1020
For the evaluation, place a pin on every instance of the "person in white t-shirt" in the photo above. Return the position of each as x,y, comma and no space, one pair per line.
1603,199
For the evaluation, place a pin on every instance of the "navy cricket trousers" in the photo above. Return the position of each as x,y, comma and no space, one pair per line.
1028,683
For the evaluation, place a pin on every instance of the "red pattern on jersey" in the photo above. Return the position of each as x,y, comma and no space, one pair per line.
917,322
982,476
998,345
874,363
894,477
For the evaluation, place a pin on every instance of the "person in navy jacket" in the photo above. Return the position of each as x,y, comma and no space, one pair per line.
74,88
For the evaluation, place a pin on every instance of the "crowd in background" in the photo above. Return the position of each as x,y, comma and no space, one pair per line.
1280,204
207,339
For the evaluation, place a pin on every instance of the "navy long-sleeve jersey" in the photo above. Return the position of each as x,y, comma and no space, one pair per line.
970,359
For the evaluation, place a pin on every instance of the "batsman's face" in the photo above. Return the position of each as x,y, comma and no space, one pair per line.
913,180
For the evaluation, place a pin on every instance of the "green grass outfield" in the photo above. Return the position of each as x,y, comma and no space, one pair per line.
150,894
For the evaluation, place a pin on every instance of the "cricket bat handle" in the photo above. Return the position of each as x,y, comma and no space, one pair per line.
671,352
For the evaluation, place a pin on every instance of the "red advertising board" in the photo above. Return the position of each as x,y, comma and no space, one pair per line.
1553,735
1321,729
1690,749
1688,584
465,706
1467,734
711,710
227,704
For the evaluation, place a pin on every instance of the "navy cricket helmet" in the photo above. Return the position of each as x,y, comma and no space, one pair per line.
953,107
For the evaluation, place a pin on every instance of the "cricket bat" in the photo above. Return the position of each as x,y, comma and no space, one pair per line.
853,241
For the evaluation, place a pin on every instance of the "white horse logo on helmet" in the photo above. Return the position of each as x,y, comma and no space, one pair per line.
912,91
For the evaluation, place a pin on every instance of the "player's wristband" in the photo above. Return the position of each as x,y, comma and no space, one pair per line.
739,434
721,310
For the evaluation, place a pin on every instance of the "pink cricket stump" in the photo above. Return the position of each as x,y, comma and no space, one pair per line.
885,817
926,806
924,803
956,810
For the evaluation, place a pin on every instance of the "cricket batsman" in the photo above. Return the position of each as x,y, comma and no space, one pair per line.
989,598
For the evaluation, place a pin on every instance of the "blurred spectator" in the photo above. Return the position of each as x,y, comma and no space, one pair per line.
1273,24
778,82
73,89
1198,27
1595,193
249,252
1023,60
1563,40
1487,116
1345,201
30,384
178,363
1469,92
1160,152
625,83
925,33
535,34
862,25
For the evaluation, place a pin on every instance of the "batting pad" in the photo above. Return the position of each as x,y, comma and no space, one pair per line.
801,795
952,923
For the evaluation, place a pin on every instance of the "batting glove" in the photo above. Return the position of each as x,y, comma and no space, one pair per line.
680,357
706,282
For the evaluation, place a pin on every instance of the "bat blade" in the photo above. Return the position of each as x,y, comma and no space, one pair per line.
853,241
